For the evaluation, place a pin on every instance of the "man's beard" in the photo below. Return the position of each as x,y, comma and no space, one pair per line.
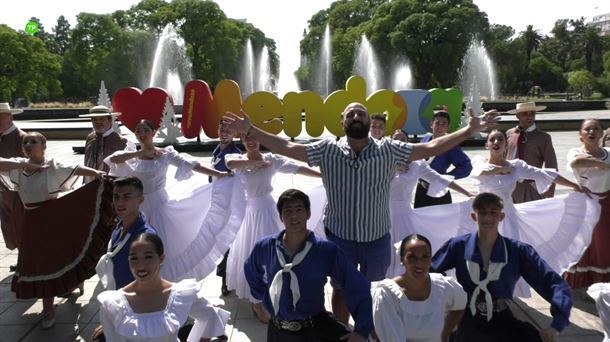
357,130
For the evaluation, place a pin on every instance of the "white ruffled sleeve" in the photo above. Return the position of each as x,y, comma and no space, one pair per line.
184,167
109,311
542,177
574,153
234,156
282,164
209,320
386,312
10,179
122,169
437,183
455,296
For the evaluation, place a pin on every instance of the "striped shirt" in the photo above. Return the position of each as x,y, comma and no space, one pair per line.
358,186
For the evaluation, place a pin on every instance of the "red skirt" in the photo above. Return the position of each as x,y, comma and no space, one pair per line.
11,216
62,240
594,265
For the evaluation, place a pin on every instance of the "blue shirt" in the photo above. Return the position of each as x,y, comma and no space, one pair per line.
218,157
122,273
323,260
523,261
455,157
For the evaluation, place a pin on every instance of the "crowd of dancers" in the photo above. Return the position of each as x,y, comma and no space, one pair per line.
381,226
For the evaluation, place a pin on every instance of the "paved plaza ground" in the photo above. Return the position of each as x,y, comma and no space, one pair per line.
77,317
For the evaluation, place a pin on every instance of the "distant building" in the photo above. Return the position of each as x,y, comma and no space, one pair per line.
602,22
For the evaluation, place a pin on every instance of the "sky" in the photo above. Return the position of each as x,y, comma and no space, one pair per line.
286,27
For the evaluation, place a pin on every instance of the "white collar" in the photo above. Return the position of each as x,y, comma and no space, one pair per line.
107,133
529,129
9,130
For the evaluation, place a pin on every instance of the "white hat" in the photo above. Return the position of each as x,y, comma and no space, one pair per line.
6,108
98,111
526,107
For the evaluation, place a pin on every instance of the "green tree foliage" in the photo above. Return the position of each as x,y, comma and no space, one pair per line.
433,35
532,40
582,81
61,33
27,69
544,73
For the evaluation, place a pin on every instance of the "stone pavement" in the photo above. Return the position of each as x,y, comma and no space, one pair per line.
77,317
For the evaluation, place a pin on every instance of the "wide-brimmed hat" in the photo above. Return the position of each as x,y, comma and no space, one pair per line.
526,107
98,111
6,108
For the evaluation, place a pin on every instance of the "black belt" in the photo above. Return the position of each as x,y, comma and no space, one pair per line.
498,306
292,326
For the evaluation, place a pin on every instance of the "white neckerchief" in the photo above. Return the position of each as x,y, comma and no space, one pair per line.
495,268
105,267
276,285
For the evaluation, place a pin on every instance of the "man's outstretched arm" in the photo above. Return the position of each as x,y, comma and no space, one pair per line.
273,143
445,143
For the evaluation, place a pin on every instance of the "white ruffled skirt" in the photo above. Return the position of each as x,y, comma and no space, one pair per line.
197,223
260,219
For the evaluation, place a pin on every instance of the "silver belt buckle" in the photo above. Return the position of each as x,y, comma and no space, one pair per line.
293,326
482,308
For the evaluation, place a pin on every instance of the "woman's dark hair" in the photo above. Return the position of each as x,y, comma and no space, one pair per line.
591,119
291,195
415,237
152,238
37,135
380,117
497,130
148,124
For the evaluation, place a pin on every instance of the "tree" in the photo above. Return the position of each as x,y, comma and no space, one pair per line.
544,73
61,35
28,70
582,81
532,41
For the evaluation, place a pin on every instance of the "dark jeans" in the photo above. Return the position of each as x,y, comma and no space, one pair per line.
326,329
503,327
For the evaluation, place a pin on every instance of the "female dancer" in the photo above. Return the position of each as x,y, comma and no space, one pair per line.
256,170
153,309
417,305
406,221
590,163
191,215
56,254
559,228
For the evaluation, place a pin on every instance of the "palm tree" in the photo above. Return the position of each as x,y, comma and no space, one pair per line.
532,41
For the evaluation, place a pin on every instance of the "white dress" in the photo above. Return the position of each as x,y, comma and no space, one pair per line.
260,219
398,319
559,228
196,220
121,324
600,292
404,219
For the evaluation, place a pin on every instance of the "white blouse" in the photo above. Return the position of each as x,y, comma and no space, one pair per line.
600,292
397,318
121,324
595,179
41,185
403,184
257,181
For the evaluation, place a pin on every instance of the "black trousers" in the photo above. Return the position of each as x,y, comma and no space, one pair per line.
503,327
276,335
423,200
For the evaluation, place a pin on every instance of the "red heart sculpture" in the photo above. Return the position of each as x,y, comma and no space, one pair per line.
136,105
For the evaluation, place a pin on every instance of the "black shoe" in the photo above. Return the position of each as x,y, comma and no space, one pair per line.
225,290
13,268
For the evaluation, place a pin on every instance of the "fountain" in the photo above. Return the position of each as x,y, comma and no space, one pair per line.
324,75
264,72
477,76
402,77
246,81
366,65
171,67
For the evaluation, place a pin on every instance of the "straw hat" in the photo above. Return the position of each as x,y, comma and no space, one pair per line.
5,108
526,107
98,111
